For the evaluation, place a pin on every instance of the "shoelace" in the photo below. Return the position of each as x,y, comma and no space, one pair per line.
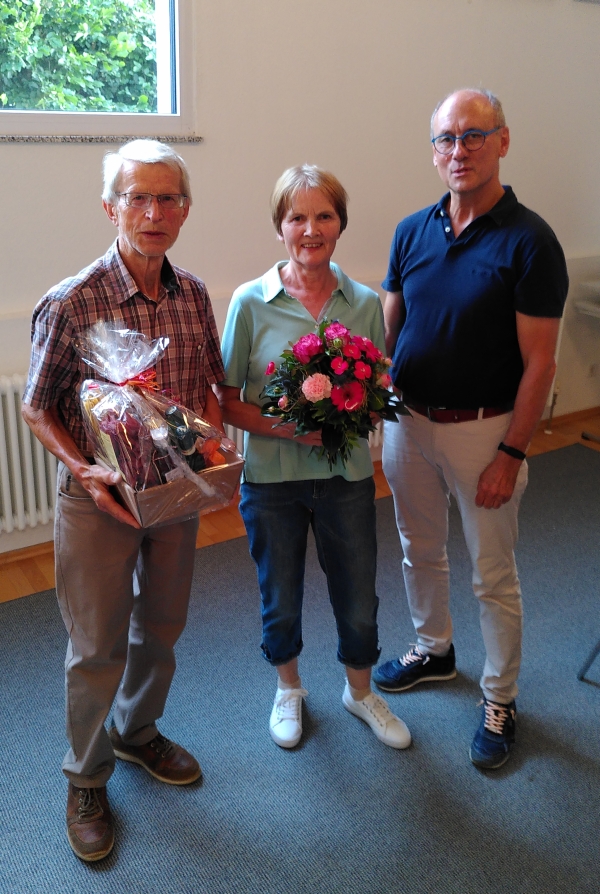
161,745
412,656
289,704
378,708
89,805
496,716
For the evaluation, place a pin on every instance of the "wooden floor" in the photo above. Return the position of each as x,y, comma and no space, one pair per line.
31,570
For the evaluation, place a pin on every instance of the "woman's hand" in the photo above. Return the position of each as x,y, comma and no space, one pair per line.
312,439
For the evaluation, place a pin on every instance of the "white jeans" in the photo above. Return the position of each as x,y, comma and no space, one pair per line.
424,462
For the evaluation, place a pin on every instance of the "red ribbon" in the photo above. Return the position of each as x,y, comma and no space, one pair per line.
146,379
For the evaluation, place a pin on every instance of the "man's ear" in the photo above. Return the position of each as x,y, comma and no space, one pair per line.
111,212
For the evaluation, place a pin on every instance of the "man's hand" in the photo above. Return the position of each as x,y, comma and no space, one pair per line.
97,481
497,482
49,429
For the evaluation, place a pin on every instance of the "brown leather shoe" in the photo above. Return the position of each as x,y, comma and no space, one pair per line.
163,759
90,827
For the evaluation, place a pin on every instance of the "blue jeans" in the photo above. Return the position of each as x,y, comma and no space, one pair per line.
342,515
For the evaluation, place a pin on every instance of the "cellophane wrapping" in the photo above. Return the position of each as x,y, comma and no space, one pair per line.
173,464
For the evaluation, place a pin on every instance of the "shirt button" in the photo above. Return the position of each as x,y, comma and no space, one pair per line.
447,229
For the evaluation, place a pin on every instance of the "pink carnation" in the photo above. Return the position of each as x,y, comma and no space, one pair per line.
362,370
306,347
339,365
270,369
316,387
336,330
347,397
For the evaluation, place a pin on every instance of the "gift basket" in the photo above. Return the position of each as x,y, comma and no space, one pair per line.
173,464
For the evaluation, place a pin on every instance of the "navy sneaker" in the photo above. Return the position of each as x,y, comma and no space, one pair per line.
496,734
413,668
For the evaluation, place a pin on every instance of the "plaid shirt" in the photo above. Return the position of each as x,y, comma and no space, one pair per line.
106,291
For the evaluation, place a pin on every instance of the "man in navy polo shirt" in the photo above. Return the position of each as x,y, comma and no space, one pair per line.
475,290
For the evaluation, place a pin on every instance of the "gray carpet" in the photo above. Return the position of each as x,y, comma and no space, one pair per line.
341,813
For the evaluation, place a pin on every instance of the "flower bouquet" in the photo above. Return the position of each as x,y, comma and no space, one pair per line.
332,382
172,462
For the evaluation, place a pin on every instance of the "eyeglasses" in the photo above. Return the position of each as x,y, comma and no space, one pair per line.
143,200
471,140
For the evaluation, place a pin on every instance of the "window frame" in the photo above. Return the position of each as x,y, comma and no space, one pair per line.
102,126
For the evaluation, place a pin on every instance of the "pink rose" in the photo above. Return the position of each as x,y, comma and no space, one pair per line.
352,351
283,402
306,347
339,365
270,369
316,387
336,330
384,381
362,370
347,397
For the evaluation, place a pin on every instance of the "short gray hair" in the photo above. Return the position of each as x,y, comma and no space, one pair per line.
148,152
487,94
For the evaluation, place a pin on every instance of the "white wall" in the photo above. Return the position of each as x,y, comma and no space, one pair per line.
350,86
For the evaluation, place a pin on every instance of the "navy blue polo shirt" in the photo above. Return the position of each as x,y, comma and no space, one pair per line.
458,347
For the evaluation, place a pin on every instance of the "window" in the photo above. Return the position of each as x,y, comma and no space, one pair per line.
119,68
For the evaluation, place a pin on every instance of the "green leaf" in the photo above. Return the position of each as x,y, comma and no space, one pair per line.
56,54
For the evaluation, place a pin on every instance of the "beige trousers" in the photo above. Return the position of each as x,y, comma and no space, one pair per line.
121,638
424,462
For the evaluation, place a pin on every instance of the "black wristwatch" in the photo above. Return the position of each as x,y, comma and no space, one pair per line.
512,451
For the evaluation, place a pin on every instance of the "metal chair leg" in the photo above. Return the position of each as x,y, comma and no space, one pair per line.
586,436
590,660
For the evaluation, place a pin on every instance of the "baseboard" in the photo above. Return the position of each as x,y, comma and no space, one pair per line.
567,418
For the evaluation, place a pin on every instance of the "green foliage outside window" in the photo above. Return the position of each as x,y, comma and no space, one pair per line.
78,55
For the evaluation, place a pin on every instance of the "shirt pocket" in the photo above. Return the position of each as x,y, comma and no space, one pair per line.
181,371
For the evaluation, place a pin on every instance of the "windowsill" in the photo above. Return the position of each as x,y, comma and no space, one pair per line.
96,138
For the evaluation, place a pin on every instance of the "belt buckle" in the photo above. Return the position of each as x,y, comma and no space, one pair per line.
435,410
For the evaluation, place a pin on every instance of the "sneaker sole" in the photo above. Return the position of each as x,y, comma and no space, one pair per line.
122,755
439,678
483,765
285,743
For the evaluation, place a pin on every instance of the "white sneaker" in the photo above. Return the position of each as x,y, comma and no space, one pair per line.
285,724
374,710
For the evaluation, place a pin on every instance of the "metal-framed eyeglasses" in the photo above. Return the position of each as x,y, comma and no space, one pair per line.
472,140
143,200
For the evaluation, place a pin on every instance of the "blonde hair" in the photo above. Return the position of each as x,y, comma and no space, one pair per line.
301,177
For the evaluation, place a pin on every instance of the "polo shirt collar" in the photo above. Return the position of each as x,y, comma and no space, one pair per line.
127,285
272,285
498,213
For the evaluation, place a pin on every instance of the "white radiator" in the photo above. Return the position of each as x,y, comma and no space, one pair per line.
27,471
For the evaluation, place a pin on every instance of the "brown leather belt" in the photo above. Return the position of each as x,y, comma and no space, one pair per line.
444,414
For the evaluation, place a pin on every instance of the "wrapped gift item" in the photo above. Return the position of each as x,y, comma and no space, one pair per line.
173,464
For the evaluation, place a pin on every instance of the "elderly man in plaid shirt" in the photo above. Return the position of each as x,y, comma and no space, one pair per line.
120,641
